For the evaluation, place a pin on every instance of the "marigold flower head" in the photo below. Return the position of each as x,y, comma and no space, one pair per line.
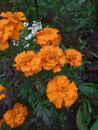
15,117
28,62
14,23
48,36
61,92
73,57
2,92
52,58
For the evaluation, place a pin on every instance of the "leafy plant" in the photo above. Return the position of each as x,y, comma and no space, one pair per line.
28,85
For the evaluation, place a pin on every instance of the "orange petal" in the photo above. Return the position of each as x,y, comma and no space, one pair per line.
4,46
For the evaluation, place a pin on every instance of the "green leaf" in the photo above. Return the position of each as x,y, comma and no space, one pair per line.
94,126
84,45
89,106
94,54
80,118
88,88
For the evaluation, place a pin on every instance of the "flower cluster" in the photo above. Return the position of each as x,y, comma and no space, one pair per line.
2,92
61,92
15,117
10,26
49,57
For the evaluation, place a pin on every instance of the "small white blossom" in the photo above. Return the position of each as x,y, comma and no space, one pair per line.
28,37
26,24
27,45
33,31
29,28
37,25
15,43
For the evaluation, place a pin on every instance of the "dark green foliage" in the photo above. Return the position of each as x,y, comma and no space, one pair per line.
89,88
64,14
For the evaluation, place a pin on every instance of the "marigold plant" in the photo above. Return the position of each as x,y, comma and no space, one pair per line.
49,72
49,63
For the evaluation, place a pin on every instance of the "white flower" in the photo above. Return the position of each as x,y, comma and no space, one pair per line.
27,45
26,24
29,36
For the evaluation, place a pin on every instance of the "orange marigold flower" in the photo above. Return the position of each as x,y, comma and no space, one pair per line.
13,23
61,92
48,36
52,58
73,57
15,117
2,92
28,62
